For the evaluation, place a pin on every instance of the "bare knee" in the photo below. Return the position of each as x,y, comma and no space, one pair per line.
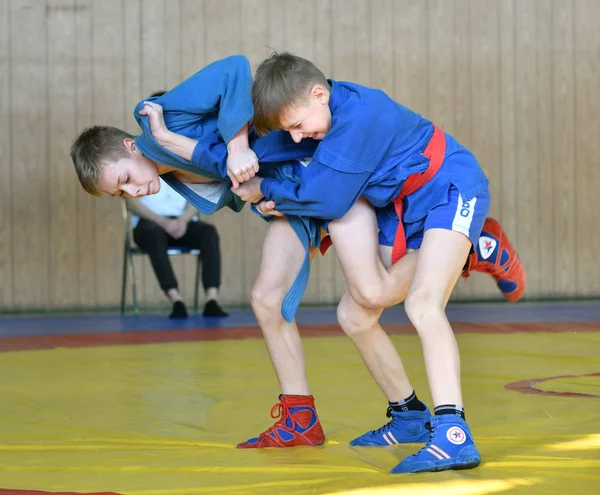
421,306
369,296
356,321
266,300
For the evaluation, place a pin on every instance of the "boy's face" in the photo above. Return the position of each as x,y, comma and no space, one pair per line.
131,177
310,118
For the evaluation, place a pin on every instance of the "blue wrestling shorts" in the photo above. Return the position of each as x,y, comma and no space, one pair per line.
466,217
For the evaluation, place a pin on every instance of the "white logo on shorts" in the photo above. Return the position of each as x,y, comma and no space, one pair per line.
456,435
463,217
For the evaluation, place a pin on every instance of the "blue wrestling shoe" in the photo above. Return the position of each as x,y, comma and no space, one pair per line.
450,446
405,427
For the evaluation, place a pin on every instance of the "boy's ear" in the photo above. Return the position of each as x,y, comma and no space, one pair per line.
320,94
130,146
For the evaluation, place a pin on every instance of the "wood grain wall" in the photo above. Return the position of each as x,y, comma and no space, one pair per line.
517,81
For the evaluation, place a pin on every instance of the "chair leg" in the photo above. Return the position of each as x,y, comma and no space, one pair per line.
197,285
124,282
136,307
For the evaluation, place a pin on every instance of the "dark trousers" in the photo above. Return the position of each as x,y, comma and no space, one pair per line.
154,241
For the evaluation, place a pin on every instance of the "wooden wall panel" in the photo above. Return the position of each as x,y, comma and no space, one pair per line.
343,68
63,184
441,63
191,37
154,56
485,105
515,81
527,236
411,54
587,150
544,117
30,162
277,37
254,31
6,197
84,252
381,61
461,124
185,266
133,78
506,189
108,93
302,32
363,51
224,38
563,147
325,270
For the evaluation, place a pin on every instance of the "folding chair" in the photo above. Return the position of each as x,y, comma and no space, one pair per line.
130,250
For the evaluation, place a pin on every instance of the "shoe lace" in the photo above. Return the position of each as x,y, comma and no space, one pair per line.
281,412
388,425
428,426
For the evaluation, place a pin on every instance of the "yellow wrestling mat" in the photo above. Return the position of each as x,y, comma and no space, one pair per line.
163,419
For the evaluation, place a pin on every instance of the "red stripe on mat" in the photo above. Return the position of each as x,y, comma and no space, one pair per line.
33,492
10,344
529,387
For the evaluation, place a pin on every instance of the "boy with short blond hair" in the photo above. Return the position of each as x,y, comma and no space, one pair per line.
432,200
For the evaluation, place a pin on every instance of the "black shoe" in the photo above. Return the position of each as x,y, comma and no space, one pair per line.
212,308
179,311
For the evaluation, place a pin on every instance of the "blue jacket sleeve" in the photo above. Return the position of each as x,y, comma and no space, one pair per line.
211,156
216,98
223,88
322,192
278,146
211,107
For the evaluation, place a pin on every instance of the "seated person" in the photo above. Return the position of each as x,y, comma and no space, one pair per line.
165,220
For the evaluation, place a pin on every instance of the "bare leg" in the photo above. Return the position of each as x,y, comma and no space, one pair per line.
355,239
375,347
435,277
450,445
281,260
297,420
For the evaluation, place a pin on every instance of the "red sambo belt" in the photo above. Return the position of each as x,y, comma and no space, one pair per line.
435,151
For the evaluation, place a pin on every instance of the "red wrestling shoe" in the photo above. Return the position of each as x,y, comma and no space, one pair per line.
298,425
495,256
